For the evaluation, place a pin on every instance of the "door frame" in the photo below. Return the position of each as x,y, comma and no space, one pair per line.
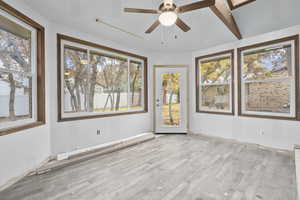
187,94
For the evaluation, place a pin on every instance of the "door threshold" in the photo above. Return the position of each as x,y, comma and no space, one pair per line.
183,133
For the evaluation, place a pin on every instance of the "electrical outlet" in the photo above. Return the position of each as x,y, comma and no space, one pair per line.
261,132
98,132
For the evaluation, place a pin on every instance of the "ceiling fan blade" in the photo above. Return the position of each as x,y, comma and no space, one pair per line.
196,5
153,26
137,10
183,26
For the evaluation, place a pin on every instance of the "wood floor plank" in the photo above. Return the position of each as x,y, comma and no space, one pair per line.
174,167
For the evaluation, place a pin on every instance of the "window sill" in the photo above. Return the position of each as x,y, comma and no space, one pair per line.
99,116
11,130
269,117
215,113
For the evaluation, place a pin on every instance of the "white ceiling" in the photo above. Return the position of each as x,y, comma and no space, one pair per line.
207,30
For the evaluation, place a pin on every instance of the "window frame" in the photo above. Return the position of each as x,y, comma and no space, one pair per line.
102,50
294,113
38,70
231,83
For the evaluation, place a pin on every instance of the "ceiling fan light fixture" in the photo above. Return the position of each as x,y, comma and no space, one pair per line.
168,18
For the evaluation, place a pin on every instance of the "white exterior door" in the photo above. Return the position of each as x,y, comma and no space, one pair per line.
170,100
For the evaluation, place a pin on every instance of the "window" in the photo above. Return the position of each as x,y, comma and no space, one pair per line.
98,81
269,79
214,75
21,71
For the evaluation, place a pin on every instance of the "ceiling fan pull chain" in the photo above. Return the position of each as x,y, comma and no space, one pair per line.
162,36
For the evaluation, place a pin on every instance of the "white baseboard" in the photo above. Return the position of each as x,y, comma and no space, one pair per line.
234,140
80,155
14,180
123,142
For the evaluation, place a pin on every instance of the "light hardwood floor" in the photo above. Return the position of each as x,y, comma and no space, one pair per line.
167,168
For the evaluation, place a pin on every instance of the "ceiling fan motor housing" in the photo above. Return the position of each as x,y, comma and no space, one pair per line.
164,8
168,3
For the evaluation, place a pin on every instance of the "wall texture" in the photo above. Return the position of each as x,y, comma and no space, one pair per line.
74,135
26,150
273,133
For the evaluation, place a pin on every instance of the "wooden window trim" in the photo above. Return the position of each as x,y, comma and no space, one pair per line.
75,49
60,38
135,62
231,52
233,6
294,39
40,67
108,56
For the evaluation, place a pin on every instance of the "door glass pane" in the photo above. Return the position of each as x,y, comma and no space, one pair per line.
170,99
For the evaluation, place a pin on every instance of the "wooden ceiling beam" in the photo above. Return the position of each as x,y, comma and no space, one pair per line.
224,14
233,4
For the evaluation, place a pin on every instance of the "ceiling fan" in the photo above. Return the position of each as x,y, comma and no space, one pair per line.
169,13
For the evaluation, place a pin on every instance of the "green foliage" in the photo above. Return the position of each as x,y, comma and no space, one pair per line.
171,81
265,64
216,70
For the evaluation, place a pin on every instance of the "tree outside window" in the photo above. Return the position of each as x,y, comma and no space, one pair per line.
268,80
16,72
97,82
214,76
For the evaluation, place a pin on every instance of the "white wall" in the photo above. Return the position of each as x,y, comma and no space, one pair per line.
160,58
277,133
70,136
25,150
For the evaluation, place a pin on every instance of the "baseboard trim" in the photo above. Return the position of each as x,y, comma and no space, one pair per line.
14,180
238,141
93,152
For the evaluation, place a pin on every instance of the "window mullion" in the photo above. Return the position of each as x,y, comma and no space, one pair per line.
128,85
88,80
